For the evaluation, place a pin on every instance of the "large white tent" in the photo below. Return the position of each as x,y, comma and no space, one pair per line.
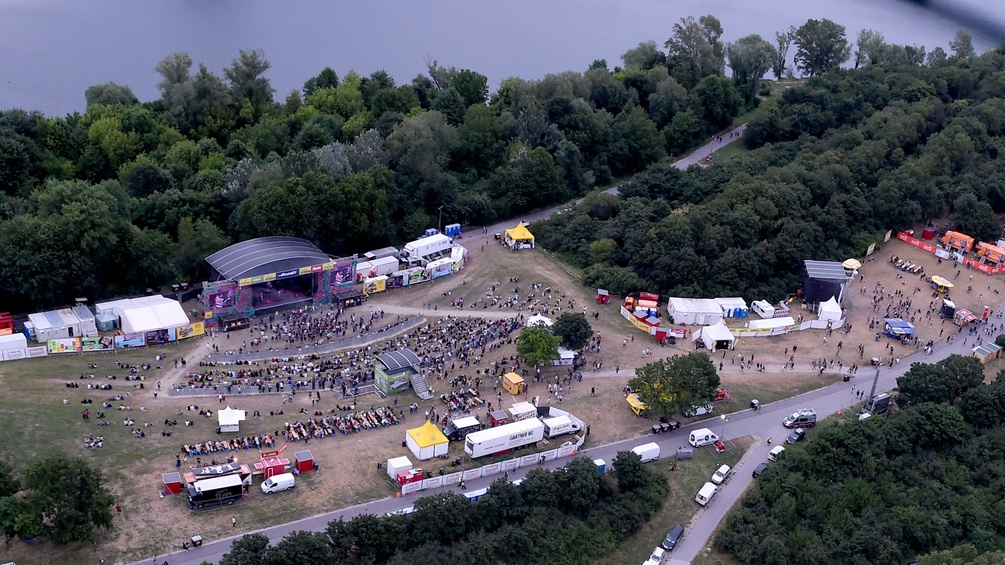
716,336
700,311
230,419
829,311
149,313
13,346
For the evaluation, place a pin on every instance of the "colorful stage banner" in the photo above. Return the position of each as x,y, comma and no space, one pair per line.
64,345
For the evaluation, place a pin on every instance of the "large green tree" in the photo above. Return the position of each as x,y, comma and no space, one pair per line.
821,45
574,329
538,346
675,384
68,496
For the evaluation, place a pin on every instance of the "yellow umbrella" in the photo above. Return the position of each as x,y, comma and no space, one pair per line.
942,282
851,264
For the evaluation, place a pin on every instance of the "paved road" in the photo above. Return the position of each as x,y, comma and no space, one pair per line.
214,551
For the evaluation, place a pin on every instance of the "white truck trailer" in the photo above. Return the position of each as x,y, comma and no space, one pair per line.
504,438
554,427
427,246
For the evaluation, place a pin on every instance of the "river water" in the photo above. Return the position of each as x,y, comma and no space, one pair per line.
52,50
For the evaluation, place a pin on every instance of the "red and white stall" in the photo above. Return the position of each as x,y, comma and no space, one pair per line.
271,466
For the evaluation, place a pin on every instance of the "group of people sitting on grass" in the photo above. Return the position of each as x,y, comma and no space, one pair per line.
224,446
321,426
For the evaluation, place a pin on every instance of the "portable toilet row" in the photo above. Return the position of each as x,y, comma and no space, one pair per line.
734,307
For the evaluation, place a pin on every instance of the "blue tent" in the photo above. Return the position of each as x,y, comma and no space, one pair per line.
898,328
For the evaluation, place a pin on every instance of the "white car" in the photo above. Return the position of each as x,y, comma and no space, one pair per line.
775,453
656,557
720,475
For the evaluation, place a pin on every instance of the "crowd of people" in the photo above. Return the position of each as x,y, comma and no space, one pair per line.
321,426
226,446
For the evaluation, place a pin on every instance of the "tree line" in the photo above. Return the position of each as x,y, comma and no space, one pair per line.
833,164
571,515
926,480
128,195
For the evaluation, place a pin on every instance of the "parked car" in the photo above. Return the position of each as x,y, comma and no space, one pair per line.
720,474
655,557
673,538
775,453
796,435
762,467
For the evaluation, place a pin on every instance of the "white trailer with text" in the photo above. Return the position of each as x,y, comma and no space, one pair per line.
504,438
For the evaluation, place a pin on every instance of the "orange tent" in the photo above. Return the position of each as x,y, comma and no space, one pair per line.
958,240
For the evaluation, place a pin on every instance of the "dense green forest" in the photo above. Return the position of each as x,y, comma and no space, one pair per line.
833,164
130,195
927,479
572,515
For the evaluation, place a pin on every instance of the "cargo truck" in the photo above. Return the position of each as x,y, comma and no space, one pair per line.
215,492
554,427
427,246
459,428
501,439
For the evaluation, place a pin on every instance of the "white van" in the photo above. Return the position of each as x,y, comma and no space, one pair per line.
706,493
279,483
702,437
775,453
647,452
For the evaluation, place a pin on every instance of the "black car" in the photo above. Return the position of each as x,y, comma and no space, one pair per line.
796,435
760,469
673,537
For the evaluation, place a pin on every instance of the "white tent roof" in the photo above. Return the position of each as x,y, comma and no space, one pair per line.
717,332
538,319
564,353
830,310
699,305
147,313
230,416
13,341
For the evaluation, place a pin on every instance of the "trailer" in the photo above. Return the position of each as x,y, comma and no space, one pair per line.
522,411
215,492
554,427
459,428
502,439
427,246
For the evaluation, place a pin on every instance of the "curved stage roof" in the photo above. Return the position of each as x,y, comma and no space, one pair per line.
265,255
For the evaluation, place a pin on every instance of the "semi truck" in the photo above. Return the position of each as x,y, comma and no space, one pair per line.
215,492
427,246
501,439
554,427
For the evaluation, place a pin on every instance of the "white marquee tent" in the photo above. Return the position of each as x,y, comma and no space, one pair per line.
829,311
700,311
230,419
13,346
539,320
717,336
148,313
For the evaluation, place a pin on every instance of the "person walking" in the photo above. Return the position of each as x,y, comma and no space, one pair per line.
233,521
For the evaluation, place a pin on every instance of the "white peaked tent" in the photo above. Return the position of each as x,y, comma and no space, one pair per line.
230,419
539,320
716,336
829,311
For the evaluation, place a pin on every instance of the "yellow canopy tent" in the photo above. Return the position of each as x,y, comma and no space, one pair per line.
519,237
636,405
426,441
851,264
940,284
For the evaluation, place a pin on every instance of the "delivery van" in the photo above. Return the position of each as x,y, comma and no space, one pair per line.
702,437
706,493
279,483
647,452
